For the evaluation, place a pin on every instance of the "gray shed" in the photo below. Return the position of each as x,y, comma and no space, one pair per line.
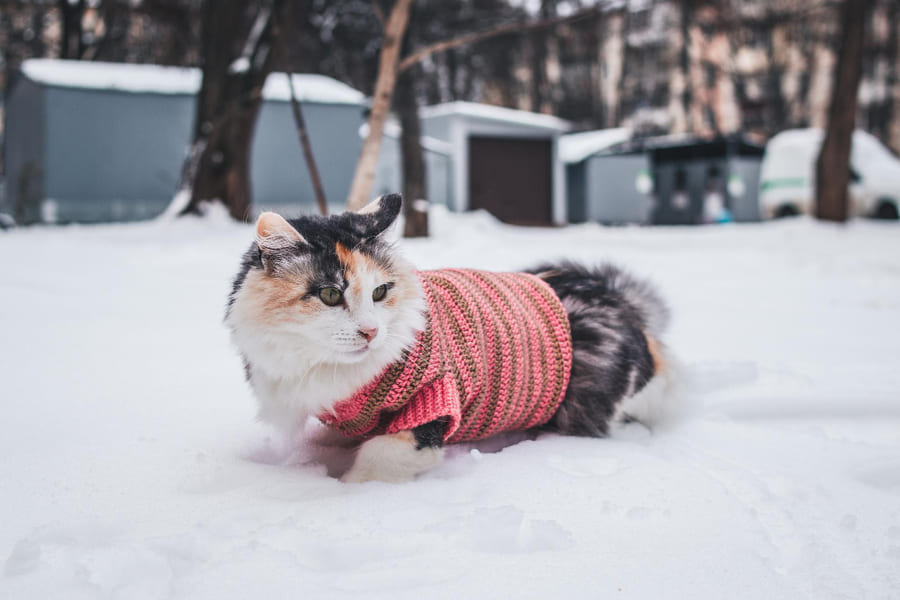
605,189
90,142
505,161
667,180
702,180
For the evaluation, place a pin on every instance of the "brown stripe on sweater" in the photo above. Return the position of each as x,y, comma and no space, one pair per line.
523,391
458,328
451,285
491,407
558,362
531,399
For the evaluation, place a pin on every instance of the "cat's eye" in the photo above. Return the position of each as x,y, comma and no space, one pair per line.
331,296
379,292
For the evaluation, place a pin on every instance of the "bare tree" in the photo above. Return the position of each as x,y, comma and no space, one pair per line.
236,62
833,164
394,30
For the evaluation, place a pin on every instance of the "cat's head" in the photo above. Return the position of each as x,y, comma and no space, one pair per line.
326,290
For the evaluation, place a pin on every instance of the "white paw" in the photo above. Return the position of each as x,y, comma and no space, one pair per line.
391,458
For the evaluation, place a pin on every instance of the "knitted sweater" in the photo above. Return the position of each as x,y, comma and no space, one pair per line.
495,356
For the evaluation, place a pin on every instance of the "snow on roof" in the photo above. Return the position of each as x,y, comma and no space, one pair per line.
393,130
575,147
496,113
312,88
157,79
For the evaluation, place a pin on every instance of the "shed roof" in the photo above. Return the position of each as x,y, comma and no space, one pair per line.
496,113
575,147
393,130
156,79
688,145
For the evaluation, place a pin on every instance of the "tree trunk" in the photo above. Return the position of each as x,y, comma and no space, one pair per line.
774,95
71,34
687,96
415,189
228,104
891,80
364,177
833,164
541,91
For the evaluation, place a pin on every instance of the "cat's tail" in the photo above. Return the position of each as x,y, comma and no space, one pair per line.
664,400
617,320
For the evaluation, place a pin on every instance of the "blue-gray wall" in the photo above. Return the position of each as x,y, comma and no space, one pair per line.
610,192
746,208
279,175
113,155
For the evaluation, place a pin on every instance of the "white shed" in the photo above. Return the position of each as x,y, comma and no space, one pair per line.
505,161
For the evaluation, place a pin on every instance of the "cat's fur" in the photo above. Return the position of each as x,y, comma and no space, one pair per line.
302,356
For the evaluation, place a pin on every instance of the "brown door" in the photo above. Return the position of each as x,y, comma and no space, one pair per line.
512,179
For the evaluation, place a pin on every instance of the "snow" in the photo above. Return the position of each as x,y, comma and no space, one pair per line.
177,80
311,88
394,131
496,113
575,147
133,468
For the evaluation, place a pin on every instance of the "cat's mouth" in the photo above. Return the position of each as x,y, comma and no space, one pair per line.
358,352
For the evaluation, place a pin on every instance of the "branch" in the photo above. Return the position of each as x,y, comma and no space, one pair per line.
302,132
379,13
471,38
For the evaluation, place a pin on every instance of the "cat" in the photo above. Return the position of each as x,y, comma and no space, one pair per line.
332,322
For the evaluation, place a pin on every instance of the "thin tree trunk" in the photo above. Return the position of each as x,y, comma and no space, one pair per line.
364,177
307,148
833,164
71,34
415,189
890,110
302,132
687,97
774,94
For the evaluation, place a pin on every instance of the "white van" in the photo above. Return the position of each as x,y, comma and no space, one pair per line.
788,175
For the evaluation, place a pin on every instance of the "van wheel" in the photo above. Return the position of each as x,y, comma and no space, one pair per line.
886,210
786,210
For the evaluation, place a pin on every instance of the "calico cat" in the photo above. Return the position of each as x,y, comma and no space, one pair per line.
331,322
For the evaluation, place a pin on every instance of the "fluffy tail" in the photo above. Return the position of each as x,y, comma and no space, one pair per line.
664,400
617,321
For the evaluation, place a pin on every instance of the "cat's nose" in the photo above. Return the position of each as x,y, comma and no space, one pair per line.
368,333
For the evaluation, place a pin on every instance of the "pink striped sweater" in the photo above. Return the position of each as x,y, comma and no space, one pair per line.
495,356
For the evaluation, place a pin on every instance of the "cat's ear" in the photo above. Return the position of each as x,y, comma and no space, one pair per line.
274,234
375,217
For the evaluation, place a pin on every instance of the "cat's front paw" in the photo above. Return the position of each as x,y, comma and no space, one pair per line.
392,458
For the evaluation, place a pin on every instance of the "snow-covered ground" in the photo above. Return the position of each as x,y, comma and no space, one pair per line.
131,465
